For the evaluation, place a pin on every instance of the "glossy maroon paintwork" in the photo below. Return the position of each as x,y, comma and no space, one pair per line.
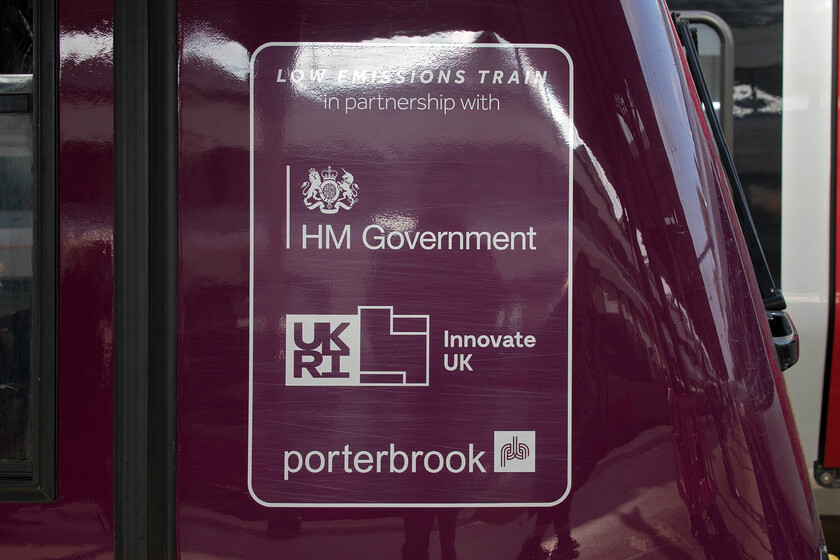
683,439
79,524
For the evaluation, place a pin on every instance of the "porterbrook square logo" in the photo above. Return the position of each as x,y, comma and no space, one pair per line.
514,452
372,347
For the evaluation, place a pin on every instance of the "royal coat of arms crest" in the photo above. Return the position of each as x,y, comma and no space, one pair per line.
324,192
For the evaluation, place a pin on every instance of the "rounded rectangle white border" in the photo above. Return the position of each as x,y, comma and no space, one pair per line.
572,143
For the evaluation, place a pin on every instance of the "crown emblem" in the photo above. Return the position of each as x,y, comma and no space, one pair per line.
329,174
324,191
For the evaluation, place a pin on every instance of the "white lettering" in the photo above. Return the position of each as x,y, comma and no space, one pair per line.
515,340
312,236
414,456
458,455
394,455
532,77
286,468
365,459
390,460
330,457
309,466
439,460
475,460
337,243
375,238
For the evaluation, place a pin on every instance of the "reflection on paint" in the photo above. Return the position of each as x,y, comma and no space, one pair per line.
96,45
211,47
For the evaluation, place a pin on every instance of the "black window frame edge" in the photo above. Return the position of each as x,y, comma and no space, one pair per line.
785,337
42,486
771,295
727,43
146,282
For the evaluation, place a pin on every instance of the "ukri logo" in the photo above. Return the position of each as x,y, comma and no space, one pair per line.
374,347
514,452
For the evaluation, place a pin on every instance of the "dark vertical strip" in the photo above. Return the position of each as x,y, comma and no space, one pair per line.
131,272
164,280
44,301
832,353
146,264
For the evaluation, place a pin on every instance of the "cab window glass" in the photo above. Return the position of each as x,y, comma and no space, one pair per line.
15,36
16,238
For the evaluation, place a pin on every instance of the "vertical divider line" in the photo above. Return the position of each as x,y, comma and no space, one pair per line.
44,302
145,278
163,278
288,207
131,279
